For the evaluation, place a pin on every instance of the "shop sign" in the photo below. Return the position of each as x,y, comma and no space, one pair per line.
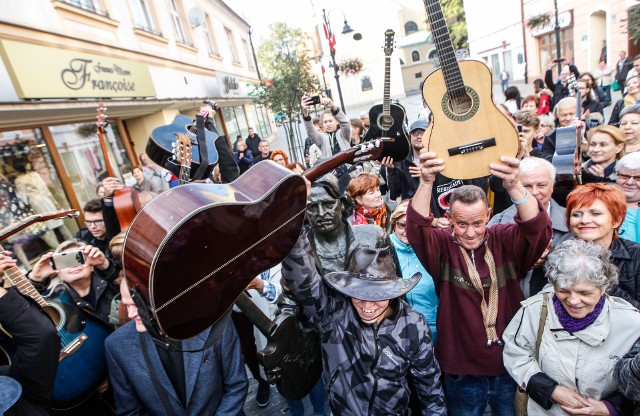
230,85
44,72
564,20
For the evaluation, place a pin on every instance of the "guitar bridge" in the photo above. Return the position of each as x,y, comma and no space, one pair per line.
471,147
72,347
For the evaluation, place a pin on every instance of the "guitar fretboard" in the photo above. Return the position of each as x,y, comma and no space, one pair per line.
185,174
23,285
386,107
446,53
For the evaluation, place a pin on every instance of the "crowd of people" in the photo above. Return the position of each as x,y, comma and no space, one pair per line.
428,294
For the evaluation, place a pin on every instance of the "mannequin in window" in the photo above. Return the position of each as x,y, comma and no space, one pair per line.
14,209
32,189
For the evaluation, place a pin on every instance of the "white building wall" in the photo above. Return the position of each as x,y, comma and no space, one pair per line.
496,33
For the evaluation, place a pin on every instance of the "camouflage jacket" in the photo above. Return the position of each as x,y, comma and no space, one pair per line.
365,367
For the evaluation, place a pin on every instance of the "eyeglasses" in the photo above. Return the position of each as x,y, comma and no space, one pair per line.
400,225
94,222
625,177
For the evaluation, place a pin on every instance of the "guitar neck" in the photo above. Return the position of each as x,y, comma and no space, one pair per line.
330,164
24,286
386,108
255,315
444,46
185,174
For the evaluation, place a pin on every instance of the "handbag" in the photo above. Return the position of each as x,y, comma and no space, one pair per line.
615,86
521,398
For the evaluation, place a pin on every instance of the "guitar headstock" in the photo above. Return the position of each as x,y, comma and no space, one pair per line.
102,117
388,42
572,85
371,150
182,150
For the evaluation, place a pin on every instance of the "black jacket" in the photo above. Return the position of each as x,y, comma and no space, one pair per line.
229,171
35,361
560,91
626,255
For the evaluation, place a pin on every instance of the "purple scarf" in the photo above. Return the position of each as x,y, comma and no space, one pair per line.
571,324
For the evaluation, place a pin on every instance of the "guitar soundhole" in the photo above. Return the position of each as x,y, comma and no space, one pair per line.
460,104
385,122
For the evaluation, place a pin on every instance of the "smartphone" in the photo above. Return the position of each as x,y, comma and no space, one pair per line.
67,259
315,99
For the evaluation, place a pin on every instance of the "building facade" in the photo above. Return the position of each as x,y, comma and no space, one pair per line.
145,60
495,35
584,25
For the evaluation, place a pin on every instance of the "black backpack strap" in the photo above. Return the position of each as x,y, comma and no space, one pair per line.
154,376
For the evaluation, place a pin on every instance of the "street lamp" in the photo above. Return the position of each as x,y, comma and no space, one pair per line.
557,30
332,43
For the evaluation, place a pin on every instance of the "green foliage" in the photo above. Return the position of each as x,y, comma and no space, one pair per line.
283,60
633,23
453,11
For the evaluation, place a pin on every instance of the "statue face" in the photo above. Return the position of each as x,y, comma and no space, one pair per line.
323,211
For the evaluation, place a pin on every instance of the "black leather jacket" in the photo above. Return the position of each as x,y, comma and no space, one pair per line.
626,255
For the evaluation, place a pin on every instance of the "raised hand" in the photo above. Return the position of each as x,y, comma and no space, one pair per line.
95,257
387,162
429,166
508,171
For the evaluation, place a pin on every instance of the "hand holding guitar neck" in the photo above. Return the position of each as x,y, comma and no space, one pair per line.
429,166
111,184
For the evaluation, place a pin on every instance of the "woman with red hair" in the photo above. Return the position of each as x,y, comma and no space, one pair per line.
369,207
280,157
595,212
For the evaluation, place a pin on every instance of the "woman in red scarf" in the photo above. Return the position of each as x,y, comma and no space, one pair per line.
369,207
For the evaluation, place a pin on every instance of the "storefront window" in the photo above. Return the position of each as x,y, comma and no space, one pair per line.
79,148
547,46
236,121
262,119
29,185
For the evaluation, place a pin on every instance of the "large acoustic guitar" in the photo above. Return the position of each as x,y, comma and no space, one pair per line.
82,365
292,358
159,147
125,201
193,249
469,132
387,119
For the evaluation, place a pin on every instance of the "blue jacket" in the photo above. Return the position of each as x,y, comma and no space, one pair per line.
423,296
215,379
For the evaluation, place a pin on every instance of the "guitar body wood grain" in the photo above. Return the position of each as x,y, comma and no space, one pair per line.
464,124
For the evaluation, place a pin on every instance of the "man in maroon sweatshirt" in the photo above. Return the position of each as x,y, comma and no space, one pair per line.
476,271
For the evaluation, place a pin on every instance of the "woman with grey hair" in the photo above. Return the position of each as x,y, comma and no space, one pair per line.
628,180
584,332
630,126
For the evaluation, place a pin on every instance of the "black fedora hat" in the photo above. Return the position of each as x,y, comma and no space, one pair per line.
371,276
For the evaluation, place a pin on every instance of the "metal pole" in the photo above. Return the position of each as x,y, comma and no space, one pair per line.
333,58
557,29
337,76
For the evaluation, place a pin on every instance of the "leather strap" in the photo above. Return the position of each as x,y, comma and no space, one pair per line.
543,319
154,376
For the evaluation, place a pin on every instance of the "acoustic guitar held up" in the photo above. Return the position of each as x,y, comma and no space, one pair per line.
469,132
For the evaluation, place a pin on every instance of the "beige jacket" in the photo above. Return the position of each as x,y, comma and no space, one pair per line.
583,362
